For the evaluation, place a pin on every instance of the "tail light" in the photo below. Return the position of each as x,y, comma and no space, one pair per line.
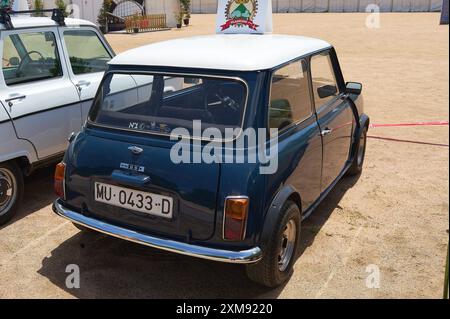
235,218
60,175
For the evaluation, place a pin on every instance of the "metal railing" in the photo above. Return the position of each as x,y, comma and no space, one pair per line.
144,23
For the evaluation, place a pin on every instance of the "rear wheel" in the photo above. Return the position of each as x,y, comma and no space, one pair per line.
358,161
11,190
277,265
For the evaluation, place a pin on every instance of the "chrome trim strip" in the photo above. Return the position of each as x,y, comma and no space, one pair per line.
235,257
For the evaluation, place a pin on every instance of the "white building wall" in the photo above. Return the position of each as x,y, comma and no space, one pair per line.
383,5
210,6
168,7
436,5
351,6
337,6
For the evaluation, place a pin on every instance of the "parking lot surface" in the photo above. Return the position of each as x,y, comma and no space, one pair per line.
394,218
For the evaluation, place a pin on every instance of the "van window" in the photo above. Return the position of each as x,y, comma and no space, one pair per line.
29,57
86,52
159,104
290,100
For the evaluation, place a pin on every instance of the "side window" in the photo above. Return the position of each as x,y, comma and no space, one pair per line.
290,96
323,79
86,52
29,57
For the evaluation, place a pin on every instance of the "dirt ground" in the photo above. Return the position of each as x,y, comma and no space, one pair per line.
394,217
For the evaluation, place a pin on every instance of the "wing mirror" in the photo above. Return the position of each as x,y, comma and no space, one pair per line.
327,91
353,88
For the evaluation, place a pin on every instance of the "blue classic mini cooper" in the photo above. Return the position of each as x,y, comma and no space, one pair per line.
170,156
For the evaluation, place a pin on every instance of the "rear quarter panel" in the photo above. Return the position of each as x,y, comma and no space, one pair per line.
241,179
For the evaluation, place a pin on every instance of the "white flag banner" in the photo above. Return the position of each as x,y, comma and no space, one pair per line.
244,16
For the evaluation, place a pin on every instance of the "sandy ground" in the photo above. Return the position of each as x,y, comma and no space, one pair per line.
396,216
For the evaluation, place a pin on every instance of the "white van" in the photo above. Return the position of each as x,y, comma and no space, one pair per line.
50,71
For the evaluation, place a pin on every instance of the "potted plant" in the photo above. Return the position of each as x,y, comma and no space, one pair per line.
186,7
136,21
179,18
38,5
187,18
61,5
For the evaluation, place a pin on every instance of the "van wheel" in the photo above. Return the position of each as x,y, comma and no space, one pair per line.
11,190
358,161
277,265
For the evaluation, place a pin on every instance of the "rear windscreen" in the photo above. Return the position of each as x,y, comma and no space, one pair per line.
160,104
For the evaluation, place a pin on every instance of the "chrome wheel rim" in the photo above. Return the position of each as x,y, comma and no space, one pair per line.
8,190
287,245
362,149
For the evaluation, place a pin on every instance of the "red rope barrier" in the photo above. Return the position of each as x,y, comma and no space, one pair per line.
438,123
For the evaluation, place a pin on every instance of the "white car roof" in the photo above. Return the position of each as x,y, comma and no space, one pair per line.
24,21
238,52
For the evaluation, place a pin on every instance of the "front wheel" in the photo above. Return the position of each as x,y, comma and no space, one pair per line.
11,190
358,161
277,265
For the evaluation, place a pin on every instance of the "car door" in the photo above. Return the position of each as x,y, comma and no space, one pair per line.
334,115
300,145
36,89
87,54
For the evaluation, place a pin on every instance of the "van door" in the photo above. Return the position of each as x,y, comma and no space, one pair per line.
36,89
87,55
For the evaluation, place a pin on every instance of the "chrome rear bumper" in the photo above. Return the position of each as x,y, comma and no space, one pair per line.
236,257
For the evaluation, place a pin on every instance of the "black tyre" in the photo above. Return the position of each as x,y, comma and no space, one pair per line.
280,254
358,161
11,190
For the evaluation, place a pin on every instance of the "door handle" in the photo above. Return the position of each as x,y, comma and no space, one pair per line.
326,132
10,100
15,98
80,84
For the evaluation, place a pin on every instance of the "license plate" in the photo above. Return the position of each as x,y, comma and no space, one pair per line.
148,203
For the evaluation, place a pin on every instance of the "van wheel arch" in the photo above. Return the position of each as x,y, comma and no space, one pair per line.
280,253
286,194
24,165
11,190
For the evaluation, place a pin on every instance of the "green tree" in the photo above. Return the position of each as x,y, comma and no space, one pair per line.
38,5
5,3
102,18
186,7
61,5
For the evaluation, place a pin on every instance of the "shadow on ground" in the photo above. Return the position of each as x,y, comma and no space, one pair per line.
113,268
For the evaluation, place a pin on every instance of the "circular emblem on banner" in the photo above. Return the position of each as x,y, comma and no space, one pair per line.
240,13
